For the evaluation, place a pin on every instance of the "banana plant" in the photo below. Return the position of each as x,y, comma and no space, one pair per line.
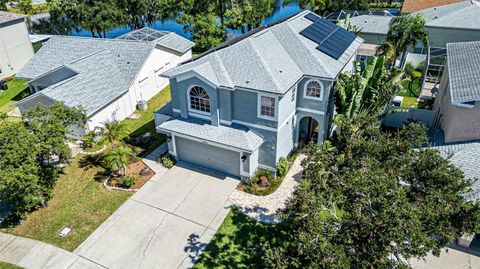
368,91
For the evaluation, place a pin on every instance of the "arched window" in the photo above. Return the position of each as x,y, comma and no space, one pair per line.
199,99
314,90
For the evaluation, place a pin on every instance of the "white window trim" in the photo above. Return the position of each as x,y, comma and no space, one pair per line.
293,97
311,97
259,107
196,111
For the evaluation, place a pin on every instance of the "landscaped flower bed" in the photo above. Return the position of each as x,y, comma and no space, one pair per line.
265,182
137,175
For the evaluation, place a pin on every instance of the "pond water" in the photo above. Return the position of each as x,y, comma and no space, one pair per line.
280,11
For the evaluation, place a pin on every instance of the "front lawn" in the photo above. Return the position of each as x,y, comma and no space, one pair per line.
237,243
4,265
79,202
17,90
146,124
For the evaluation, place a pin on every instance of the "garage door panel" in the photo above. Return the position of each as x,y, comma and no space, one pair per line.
222,160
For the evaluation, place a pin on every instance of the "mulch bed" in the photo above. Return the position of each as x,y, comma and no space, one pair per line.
140,171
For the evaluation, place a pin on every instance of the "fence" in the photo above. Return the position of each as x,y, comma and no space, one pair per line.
398,119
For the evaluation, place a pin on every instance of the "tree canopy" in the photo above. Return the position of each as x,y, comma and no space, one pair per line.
374,200
325,7
30,152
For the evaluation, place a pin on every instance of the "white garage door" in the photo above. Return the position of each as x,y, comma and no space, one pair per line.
208,156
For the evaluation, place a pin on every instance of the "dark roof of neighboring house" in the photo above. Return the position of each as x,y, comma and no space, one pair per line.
417,5
9,16
372,24
235,136
464,155
103,69
271,59
165,39
464,71
462,15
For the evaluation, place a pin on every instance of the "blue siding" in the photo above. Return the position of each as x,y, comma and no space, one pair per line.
313,104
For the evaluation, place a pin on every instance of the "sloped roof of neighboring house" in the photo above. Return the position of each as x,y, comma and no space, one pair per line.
462,15
464,71
372,24
104,69
464,155
417,5
165,39
235,136
9,16
270,59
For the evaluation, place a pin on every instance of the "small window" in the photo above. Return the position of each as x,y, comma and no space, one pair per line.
313,90
267,107
294,93
199,99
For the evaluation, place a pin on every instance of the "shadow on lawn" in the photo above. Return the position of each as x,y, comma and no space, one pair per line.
146,138
239,243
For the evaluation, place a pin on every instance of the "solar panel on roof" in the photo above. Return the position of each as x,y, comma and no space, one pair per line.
312,17
331,39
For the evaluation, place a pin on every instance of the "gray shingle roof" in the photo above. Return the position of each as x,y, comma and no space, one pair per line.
272,59
464,155
9,16
464,71
235,136
166,39
372,24
106,68
462,15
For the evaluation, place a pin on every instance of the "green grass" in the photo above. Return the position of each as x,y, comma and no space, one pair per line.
409,102
17,90
4,265
36,9
411,89
78,201
146,124
237,243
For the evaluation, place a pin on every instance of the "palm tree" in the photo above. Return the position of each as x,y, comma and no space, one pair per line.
118,159
113,131
405,32
367,92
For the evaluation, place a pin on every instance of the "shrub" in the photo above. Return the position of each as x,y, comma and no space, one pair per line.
282,167
128,181
167,160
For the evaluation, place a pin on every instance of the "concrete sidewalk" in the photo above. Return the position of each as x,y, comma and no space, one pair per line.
29,253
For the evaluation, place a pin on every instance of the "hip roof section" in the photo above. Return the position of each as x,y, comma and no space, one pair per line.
271,59
464,71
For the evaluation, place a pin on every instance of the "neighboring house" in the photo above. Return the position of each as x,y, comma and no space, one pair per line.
458,100
410,6
342,14
459,22
373,29
107,77
451,23
248,102
15,46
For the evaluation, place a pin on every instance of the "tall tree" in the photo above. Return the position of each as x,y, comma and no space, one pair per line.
374,201
30,151
97,16
113,131
405,32
248,14
368,90
205,30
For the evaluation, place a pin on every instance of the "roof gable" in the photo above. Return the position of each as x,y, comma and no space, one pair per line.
463,15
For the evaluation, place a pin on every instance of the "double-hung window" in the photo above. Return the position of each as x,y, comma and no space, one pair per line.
267,106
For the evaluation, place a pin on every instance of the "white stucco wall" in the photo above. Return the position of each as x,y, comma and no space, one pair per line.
15,48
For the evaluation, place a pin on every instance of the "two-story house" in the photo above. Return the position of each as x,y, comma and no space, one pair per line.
248,102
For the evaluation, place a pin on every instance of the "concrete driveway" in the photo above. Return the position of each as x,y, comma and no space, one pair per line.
164,225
